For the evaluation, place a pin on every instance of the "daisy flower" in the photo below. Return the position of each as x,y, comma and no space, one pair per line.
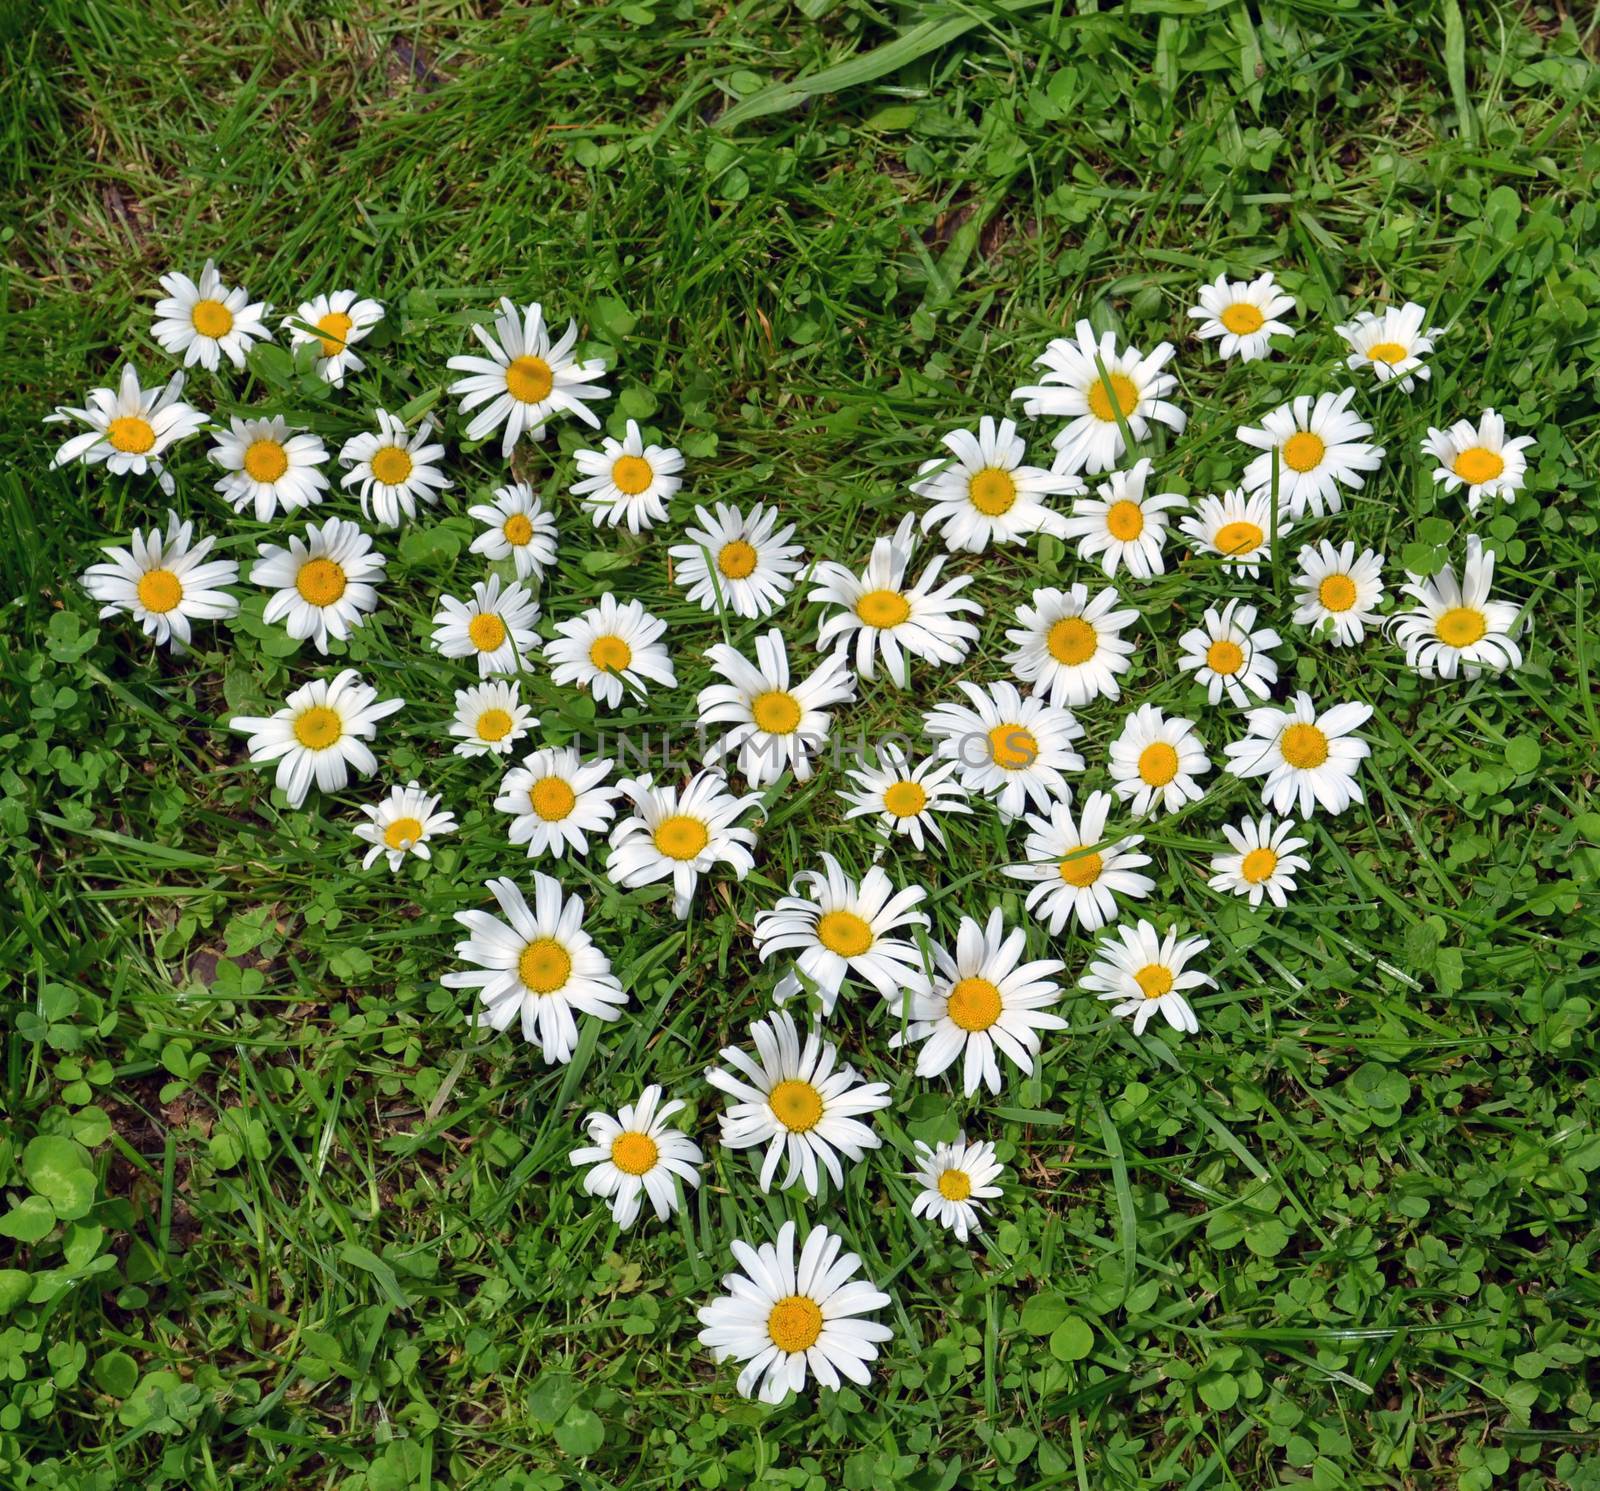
1457,626
1244,313
336,323
525,380
610,645
1076,871
680,834
490,718
635,1156
739,563
267,466
1010,748
836,928
981,1000
779,1320
402,824
777,725
1318,448
538,964
495,626
1237,528
1123,524
208,321
1479,458
1140,973
1156,760
517,528
556,800
1305,756
164,582
1391,342
986,495
395,470
324,584
1262,862
1074,386
1338,588
955,1179
628,481
1070,647
886,615
905,799
798,1102
129,427
319,734
1230,656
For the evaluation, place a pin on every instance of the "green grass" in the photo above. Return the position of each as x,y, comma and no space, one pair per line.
316,1233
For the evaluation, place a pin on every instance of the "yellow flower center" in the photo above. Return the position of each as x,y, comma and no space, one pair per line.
974,1004
845,933
883,608
1100,403
335,327
795,1323
610,654
1158,763
529,380
318,728
160,591
518,529
131,434
737,559
486,631
1082,868
265,461
1224,657
955,1185
1389,352
634,1154
1013,748
552,799
796,1105
1303,451
681,837
494,724
1258,865
320,582
776,712
1461,626
1154,980
1337,593
1476,465
905,799
1124,521
1303,746
1239,538
403,833
992,491
631,475
391,465
545,966
211,318
1242,318
1072,641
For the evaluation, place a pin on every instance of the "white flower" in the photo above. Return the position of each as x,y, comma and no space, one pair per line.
402,824
495,626
836,928
1010,748
1338,588
518,529
319,734
394,469
1457,626
1305,756
1391,342
791,1098
1155,761
1263,861
1141,974
636,1155
1479,458
956,1180
1244,313
267,466
610,645
208,321
1070,647
628,481
324,584
1317,448
490,718
336,323
1076,870
164,582
1229,655
777,725
981,1000
779,1320
556,800
739,563
129,427
1124,525
526,379
680,834
541,967
886,615
1075,386
1237,528
905,799
987,495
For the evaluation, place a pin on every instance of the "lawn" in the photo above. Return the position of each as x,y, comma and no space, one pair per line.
277,1215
